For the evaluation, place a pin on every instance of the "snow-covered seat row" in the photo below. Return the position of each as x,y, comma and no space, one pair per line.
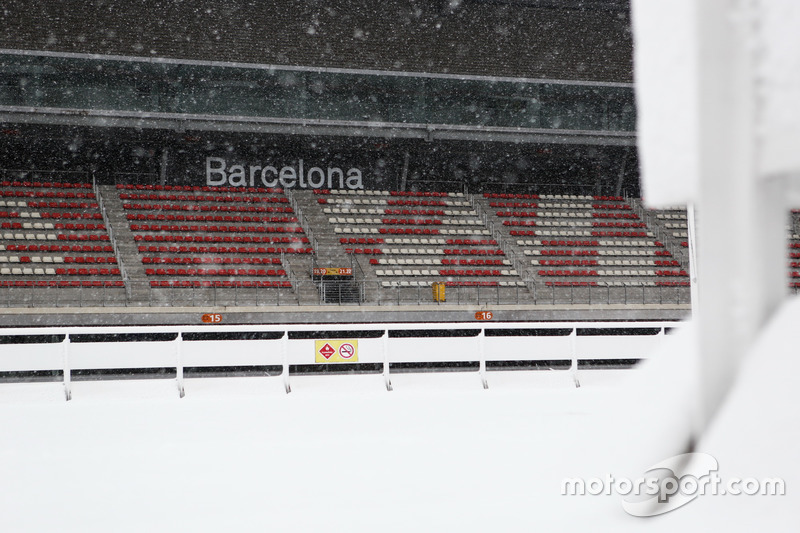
394,202
362,192
200,188
460,284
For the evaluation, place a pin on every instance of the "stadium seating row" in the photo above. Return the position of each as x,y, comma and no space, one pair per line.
48,271
216,250
557,233
361,192
455,284
215,229
40,194
410,231
603,262
217,240
512,196
444,272
213,272
206,208
57,259
52,237
51,205
366,251
227,284
568,273
388,201
56,248
407,221
211,260
431,262
207,218
608,252
198,188
50,225
377,211
206,198
63,284
588,243
610,284
45,184
423,240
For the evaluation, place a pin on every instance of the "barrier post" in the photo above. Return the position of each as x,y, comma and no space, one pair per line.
386,378
67,374
573,341
482,357
285,350
179,364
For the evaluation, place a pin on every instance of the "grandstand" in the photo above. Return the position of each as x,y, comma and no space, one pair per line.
184,246
80,244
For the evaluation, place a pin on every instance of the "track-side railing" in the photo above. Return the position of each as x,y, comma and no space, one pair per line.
284,353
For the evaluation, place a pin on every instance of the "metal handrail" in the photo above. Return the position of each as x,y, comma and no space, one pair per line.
111,237
376,294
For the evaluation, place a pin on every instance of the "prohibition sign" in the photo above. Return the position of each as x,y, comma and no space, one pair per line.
346,350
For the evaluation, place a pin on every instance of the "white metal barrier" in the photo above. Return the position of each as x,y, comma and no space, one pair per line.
426,347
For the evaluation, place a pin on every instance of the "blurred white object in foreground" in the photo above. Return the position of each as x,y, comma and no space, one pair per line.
719,123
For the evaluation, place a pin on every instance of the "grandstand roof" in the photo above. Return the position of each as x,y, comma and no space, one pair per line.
573,40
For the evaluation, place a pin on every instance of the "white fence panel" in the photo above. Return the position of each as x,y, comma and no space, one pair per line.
616,346
108,355
232,353
528,348
31,357
433,349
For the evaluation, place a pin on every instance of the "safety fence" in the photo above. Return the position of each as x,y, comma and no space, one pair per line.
284,353
306,292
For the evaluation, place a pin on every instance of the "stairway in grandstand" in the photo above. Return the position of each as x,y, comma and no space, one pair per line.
329,254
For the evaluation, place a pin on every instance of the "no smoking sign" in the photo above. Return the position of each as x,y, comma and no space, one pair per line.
347,351
336,351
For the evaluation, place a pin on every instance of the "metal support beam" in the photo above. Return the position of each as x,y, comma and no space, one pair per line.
308,127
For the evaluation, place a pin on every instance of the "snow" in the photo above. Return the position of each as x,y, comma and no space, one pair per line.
341,453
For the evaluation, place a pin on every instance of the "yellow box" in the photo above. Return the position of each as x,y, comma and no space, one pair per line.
438,291
336,351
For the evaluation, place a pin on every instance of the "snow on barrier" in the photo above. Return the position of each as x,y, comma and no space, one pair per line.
289,352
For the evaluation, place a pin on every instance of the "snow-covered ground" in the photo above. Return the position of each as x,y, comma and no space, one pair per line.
340,453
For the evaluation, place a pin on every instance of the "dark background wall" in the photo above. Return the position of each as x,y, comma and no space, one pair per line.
116,155
578,40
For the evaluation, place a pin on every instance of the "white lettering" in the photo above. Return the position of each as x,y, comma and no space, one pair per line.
288,177
270,183
218,173
218,169
236,177
302,183
253,170
354,179
333,171
313,183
